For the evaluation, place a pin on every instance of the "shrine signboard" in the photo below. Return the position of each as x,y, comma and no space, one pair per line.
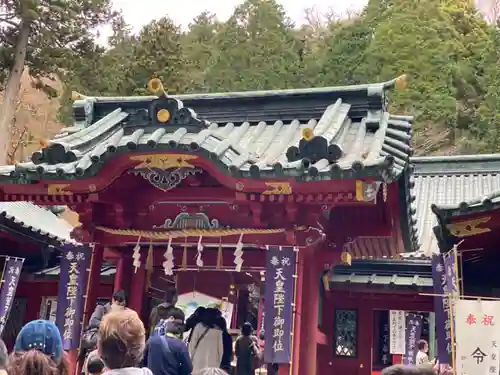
278,303
397,330
478,337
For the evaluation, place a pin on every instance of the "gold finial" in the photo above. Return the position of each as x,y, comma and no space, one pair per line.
163,115
76,96
401,82
307,134
155,86
346,258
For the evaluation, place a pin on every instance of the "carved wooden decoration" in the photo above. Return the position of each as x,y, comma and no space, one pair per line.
469,228
186,220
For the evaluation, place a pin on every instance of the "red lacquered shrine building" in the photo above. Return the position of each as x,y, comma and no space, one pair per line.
323,169
473,224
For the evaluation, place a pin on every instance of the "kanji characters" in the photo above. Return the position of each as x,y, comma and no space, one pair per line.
471,319
487,320
478,355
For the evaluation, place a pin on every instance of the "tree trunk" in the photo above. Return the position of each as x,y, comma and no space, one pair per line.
8,108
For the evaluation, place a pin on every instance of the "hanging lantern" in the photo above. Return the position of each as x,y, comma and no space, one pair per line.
136,255
238,254
199,261
168,264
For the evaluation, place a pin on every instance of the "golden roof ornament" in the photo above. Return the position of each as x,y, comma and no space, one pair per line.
155,86
401,82
76,96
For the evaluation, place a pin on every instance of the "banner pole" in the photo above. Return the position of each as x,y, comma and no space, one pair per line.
452,332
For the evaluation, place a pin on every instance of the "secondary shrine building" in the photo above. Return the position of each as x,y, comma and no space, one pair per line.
192,190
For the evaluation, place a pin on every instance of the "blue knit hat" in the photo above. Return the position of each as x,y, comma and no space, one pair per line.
41,335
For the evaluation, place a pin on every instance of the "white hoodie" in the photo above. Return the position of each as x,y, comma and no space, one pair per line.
129,371
208,352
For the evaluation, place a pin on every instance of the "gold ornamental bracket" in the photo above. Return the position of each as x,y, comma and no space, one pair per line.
163,161
184,233
278,188
468,228
58,189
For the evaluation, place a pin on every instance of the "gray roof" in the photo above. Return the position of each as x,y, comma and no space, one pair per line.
106,270
387,274
353,135
450,181
383,281
38,220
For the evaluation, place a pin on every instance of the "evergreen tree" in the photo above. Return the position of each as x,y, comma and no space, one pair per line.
43,35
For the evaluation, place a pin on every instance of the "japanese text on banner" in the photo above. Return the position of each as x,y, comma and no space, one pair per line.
280,270
10,279
413,332
477,337
397,330
70,301
441,307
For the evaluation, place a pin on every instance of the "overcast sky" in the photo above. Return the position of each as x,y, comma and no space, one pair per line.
140,12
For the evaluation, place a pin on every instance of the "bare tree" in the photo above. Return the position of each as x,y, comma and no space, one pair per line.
490,10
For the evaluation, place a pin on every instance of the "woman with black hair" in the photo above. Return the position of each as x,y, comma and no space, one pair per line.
247,351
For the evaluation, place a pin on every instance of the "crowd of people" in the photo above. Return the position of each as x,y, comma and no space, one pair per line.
200,344
115,342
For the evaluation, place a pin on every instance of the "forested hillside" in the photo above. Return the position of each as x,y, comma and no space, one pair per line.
446,48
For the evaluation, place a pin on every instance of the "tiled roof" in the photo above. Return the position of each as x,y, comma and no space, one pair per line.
38,220
254,134
391,274
450,182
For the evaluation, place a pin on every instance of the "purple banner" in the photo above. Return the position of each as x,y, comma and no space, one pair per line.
10,278
413,333
75,262
278,301
441,308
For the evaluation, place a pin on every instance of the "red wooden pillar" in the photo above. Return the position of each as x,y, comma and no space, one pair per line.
93,283
137,290
123,271
309,313
298,312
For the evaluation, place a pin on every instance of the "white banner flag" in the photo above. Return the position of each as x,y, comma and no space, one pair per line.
397,331
477,326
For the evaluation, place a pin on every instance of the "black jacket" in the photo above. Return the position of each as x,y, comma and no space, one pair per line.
89,338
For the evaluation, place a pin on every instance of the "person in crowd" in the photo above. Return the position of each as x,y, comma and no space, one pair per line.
121,342
38,350
407,370
93,356
161,311
95,366
4,358
422,357
166,353
210,344
211,371
247,351
89,338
